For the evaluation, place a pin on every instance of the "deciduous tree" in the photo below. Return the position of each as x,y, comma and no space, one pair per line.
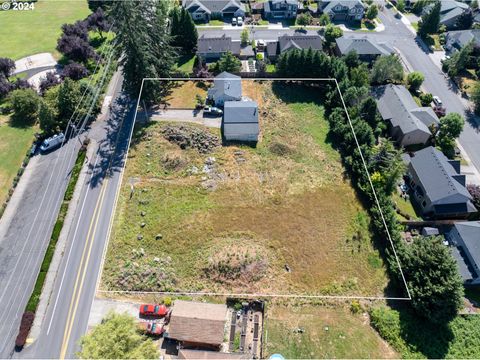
6,67
450,128
332,32
117,337
74,71
25,104
433,279
415,80
387,69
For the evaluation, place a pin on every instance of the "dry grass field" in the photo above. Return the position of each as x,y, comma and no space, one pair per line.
278,218
183,95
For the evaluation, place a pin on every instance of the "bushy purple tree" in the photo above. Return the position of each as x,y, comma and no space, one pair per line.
48,82
6,67
75,48
21,84
79,29
74,71
97,21
5,86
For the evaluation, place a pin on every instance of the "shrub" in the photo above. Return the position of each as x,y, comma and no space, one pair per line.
167,301
25,326
355,307
74,71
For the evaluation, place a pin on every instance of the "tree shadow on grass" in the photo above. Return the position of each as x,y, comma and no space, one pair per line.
19,122
431,340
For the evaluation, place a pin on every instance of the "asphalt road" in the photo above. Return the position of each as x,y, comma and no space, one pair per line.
24,240
414,52
75,285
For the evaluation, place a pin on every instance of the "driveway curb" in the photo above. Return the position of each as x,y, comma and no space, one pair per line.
59,251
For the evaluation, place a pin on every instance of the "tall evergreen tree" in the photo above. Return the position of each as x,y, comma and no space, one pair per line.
144,44
183,31
430,21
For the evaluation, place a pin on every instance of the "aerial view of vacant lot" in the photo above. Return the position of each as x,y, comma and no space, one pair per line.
278,218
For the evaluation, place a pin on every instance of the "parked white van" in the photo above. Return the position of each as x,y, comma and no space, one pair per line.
52,143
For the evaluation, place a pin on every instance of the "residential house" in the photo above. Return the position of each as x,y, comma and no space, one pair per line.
187,354
240,121
291,42
408,123
205,10
437,185
464,237
280,9
450,12
343,10
226,87
367,48
455,40
197,325
212,48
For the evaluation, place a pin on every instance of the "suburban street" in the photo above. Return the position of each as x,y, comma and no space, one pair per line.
25,231
75,285
415,56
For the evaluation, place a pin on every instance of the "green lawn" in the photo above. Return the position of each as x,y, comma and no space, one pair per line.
327,333
25,33
405,206
185,63
14,144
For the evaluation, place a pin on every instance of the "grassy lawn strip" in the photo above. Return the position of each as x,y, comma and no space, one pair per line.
31,32
37,291
185,63
405,207
321,332
14,144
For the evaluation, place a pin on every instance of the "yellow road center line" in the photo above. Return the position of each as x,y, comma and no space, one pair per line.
95,213
84,270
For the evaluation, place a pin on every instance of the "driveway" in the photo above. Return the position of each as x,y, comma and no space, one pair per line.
34,64
188,116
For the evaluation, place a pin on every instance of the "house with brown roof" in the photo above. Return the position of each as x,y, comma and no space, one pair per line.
197,325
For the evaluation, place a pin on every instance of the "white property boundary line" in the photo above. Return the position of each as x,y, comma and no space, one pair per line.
338,297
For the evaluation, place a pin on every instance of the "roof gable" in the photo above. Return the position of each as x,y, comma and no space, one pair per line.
436,175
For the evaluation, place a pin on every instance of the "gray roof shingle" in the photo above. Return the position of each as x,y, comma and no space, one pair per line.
206,45
396,105
227,84
437,176
329,5
215,6
240,120
459,39
363,46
